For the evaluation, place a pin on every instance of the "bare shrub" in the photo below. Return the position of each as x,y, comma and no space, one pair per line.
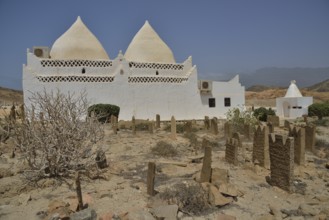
190,197
164,149
56,138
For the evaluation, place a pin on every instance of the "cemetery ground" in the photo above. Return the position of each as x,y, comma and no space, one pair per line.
121,192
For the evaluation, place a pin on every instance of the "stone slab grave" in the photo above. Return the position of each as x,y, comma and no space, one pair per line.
214,126
298,133
231,151
227,130
261,147
274,120
282,161
241,149
310,137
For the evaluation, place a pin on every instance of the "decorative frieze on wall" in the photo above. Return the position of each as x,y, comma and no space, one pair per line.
156,66
50,79
75,63
156,79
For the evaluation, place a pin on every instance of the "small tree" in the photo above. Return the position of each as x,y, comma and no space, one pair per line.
319,109
239,118
104,111
56,138
262,113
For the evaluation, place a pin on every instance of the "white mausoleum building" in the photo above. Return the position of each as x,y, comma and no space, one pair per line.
293,104
143,82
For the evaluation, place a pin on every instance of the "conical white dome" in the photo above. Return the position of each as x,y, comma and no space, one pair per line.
78,43
293,90
147,46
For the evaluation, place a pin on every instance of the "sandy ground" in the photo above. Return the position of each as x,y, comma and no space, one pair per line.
124,189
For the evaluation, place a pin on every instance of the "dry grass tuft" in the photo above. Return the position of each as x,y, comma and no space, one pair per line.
189,196
164,149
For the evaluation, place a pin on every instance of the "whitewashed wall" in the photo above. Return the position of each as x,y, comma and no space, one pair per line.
285,106
142,100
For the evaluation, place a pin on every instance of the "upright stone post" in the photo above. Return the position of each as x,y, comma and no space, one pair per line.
173,128
133,125
227,130
299,144
237,136
206,123
114,124
310,137
150,127
150,178
231,151
214,126
275,120
261,146
270,127
206,165
282,161
246,131
157,121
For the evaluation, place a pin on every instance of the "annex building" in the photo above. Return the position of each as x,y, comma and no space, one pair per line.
143,82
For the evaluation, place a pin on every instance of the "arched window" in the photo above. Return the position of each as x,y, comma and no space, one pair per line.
83,70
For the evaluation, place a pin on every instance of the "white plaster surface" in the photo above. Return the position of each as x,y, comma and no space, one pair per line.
78,43
147,46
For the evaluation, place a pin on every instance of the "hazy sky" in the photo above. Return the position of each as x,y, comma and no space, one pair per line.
223,36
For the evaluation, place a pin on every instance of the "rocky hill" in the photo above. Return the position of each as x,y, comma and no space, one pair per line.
8,96
320,87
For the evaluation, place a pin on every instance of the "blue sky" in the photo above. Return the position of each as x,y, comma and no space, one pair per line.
223,36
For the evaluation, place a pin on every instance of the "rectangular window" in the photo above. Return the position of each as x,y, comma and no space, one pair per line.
227,102
212,103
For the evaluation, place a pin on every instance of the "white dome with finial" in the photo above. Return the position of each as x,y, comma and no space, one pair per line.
147,46
293,90
78,43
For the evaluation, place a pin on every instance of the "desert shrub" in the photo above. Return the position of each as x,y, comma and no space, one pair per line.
262,113
192,137
322,143
321,122
239,118
104,111
190,197
143,126
319,109
179,128
54,139
164,149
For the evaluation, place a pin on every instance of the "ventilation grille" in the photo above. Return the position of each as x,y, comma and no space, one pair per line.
75,63
156,66
156,79
75,78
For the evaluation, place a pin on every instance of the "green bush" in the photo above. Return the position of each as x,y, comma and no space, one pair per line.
104,111
319,109
262,113
238,118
